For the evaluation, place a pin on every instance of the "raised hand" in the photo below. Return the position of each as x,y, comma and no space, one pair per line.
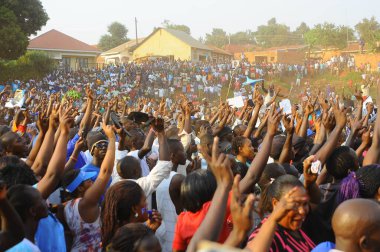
89,93
309,177
241,212
219,164
288,124
274,119
65,119
155,221
42,123
108,130
340,114
328,121
287,203
158,125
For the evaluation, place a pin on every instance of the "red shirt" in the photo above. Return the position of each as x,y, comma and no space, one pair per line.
188,223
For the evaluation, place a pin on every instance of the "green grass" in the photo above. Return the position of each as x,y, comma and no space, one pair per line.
319,82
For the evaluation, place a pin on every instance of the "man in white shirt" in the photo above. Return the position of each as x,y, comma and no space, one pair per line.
168,197
128,169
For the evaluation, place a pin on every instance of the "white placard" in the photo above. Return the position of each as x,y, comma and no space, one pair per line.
286,106
236,102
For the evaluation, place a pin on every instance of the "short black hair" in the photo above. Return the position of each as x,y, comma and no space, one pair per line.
197,189
173,145
237,143
129,168
129,237
341,161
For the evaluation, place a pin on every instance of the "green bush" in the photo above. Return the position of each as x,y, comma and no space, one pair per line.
32,65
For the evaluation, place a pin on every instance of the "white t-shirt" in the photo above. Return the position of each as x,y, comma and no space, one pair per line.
165,233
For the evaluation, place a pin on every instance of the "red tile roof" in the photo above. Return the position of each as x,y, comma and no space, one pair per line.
55,40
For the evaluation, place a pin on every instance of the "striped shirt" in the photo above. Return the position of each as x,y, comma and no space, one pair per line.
283,241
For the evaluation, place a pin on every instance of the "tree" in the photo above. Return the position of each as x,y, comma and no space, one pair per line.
18,20
328,34
299,33
169,25
246,37
369,31
218,37
30,14
117,36
274,34
13,41
302,29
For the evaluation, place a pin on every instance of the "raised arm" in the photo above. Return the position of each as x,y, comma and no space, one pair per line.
332,140
211,227
89,205
241,215
70,164
12,231
252,122
258,164
46,150
147,147
43,125
86,120
56,165
372,156
286,152
305,121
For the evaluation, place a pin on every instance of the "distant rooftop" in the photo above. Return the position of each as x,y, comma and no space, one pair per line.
56,40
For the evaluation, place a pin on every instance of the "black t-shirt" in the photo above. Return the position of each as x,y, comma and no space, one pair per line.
318,222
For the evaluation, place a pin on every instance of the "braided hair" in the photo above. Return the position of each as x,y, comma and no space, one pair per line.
17,173
364,183
117,207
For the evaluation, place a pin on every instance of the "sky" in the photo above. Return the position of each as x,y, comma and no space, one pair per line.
87,20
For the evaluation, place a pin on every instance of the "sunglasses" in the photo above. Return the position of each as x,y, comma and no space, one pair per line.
101,145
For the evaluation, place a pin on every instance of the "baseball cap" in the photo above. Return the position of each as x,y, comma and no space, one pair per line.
82,176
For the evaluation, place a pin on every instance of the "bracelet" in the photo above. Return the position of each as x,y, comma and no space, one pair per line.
73,158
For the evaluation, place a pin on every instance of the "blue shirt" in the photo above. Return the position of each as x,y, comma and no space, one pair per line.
324,247
70,149
50,235
92,168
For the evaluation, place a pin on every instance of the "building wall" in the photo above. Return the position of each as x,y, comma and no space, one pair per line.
373,59
269,56
200,55
162,43
73,58
291,57
219,58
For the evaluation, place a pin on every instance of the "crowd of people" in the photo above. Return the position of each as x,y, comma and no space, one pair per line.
133,158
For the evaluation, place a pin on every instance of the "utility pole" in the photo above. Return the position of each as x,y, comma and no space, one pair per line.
137,41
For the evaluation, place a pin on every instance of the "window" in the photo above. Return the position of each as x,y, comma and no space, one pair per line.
66,64
83,62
